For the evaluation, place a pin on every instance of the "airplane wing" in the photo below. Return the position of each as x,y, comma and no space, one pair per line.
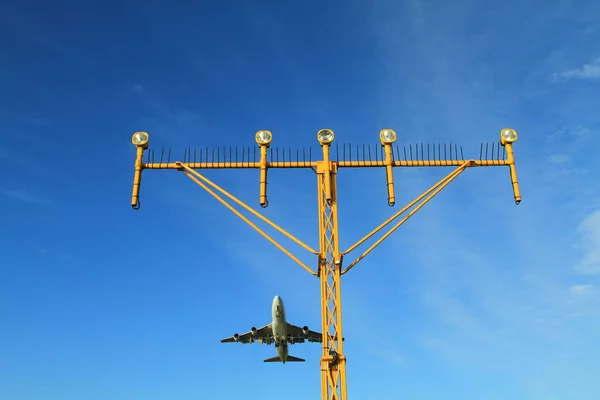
299,335
263,335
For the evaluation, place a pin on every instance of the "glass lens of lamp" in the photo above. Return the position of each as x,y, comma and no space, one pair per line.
140,138
263,137
325,136
509,135
388,135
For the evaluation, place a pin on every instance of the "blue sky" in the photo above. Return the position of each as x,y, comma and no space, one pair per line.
474,298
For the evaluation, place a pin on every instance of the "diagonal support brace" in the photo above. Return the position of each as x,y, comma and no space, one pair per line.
430,193
198,178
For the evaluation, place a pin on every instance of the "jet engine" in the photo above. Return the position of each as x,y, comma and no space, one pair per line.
236,337
305,330
253,331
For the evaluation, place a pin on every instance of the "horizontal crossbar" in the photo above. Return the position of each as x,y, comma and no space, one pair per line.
340,164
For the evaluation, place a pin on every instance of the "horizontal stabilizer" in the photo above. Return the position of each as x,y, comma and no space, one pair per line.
289,359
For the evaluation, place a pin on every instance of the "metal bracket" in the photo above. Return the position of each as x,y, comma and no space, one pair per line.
334,358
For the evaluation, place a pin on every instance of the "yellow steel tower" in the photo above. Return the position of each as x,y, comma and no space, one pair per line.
329,256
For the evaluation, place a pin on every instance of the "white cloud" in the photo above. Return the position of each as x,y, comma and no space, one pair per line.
558,158
589,230
576,133
387,351
565,149
580,131
21,195
167,120
563,172
582,290
587,71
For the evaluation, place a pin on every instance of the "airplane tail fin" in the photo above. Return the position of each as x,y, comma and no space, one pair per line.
289,359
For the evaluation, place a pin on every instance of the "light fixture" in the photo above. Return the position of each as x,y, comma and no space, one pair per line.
508,135
325,136
140,139
263,137
387,136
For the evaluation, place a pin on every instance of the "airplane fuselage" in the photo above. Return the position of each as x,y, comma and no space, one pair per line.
279,326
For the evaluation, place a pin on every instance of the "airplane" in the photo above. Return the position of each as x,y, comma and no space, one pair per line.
280,332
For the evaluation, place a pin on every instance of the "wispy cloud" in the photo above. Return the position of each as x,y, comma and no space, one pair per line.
587,71
589,231
26,120
21,194
558,158
386,351
35,29
166,120
564,149
569,133
583,290
137,87
16,157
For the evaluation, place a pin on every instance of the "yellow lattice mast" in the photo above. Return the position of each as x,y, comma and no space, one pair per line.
329,257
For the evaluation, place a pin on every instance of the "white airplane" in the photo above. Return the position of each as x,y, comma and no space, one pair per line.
279,332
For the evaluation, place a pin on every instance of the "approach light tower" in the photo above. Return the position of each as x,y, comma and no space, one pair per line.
329,257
